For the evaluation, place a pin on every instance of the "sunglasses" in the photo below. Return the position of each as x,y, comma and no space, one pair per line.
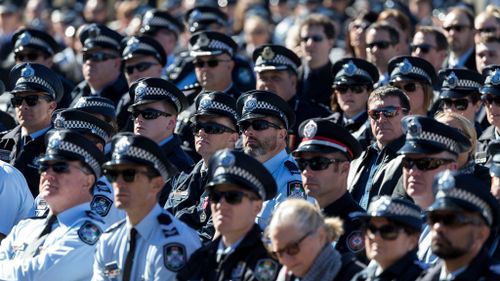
27,56
31,100
424,164
211,128
60,167
314,38
258,125
128,175
292,248
381,45
456,27
142,66
342,89
452,219
490,99
424,48
409,87
386,231
387,112
232,197
97,57
316,163
149,113
210,63
459,104
487,30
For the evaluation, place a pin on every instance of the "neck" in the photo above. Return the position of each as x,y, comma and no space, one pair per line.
28,130
135,215
98,86
421,112
458,53
424,201
230,238
221,87
334,195
360,52
59,208
270,154
315,64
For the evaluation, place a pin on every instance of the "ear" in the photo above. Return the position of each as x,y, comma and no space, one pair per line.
88,182
230,64
171,123
257,206
118,63
52,106
482,234
344,168
231,141
282,133
158,184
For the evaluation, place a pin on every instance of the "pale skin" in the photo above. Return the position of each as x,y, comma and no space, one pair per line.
264,145
207,144
157,129
101,74
34,118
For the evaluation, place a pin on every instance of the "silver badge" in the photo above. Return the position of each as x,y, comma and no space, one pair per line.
25,38
140,90
405,67
27,71
148,18
59,122
122,146
446,181
380,205
133,44
414,129
55,140
495,77
452,80
268,54
94,31
205,103
250,104
80,103
202,40
227,159
350,68
310,129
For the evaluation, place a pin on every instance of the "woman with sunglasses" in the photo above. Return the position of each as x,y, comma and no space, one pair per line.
300,237
391,230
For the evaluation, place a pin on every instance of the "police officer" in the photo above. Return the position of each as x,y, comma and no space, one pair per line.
462,218
36,91
324,156
494,152
264,123
276,69
63,244
214,128
157,103
150,244
238,184
102,108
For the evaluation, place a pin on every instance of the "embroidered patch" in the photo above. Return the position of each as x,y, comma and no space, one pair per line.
5,155
101,205
170,232
101,186
265,270
355,241
174,256
111,270
295,190
89,233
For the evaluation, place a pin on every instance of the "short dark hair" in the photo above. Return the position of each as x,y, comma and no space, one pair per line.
382,26
320,20
439,37
389,91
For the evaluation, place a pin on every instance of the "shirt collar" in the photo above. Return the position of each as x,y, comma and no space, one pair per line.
163,142
222,249
148,224
39,132
69,216
273,163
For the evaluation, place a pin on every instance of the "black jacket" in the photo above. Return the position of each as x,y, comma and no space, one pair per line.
316,85
113,92
176,155
407,268
481,156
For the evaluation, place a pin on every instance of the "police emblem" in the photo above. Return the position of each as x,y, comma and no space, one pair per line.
133,44
111,270
227,159
250,104
296,190
355,241
101,205
495,77
266,270
446,181
121,146
174,256
350,68
405,66
80,103
381,205
25,38
202,41
27,71
267,53
414,129
452,80
205,103
140,90
310,129
148,18
89,233
55,140
94,31
59,122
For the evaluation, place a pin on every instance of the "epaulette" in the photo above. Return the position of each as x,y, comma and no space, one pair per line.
292,167
115,226
164,219
94,216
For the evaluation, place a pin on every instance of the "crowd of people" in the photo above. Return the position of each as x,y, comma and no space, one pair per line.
250,140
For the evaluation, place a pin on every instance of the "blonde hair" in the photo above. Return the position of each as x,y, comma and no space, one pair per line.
465,126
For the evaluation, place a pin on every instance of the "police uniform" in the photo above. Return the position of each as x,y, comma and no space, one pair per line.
407,267
493,242
163,244
99,36
463,193
62,244
96,105
15,148
248,258
148,90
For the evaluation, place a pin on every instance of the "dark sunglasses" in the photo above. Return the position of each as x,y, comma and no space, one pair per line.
452,219
210,128
149,113
258,125
459,104
27,56
128,175
408,87
381,45
97,57
490,99
316,163
386,231
210,63
31,100
292,248
315,38
387,112
455,27
424,164
58,167
424,48
487,30
232,197
142,66
342,89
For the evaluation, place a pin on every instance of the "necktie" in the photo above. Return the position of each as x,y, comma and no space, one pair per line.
34,248
129,261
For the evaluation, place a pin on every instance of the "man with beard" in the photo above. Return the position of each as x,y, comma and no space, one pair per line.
461,219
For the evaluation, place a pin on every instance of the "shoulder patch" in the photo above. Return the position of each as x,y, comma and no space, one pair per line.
292,167
5,155
296,190
101,205
174,256
89,233
266,270
355,241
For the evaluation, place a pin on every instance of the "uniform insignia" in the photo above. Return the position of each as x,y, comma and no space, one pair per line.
5,155
227,159
495,77
295,190
89,233
267,53
452,80
101,186
94,31
250,104
55,140
133,44
111,270
237,272
122,146
205,103
446,181
355,241
174,256
202,41
80,102
292,167
265,270
414,129
203,216
350,68
25,38
310,129
405,67
168,232
101,205
164,219
35,164
59,122
148,18
27,71
381,205
140,90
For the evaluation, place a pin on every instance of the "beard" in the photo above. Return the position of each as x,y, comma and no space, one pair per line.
445,250
259,147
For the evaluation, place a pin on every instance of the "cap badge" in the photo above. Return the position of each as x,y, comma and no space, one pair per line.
268,53
140,90
94,31
122,146
205,103
196,14
310,129
350,68
414,128
495,77
27,71
250,104
405,67
80,102
227,159
59,122
202,40
381,205
446,181
452,80
148,18
55,140
25,38
133,44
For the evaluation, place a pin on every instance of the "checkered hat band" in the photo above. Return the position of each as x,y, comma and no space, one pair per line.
153,91
429,136
277,60
147,156
239,172
88,104
222,107
463,84
74,124
39,42
326,142
142,47
396,209
37,80
103,39
219,45
413,70
471,198
89,159
267,106
359,72
161,22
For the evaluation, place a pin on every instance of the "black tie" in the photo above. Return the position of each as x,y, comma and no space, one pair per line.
34,248
130,256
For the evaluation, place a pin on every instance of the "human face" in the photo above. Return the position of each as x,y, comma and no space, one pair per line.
486,54
37,117
167,39
315,45
262,143
100,73
285,236
418,183
280,82
415,91
493,114
428,49
469,113
495,187
256,31
33,56
156,129
216,78
486,25
207,144
459,32
379,55
357,33
352,102
386,129
151,65
387,252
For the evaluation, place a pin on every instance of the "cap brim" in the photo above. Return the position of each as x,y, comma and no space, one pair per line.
456,94
51,157
252,116
314,148
272,67
117,162
205,53
489,90
412,147
225,179
444,204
